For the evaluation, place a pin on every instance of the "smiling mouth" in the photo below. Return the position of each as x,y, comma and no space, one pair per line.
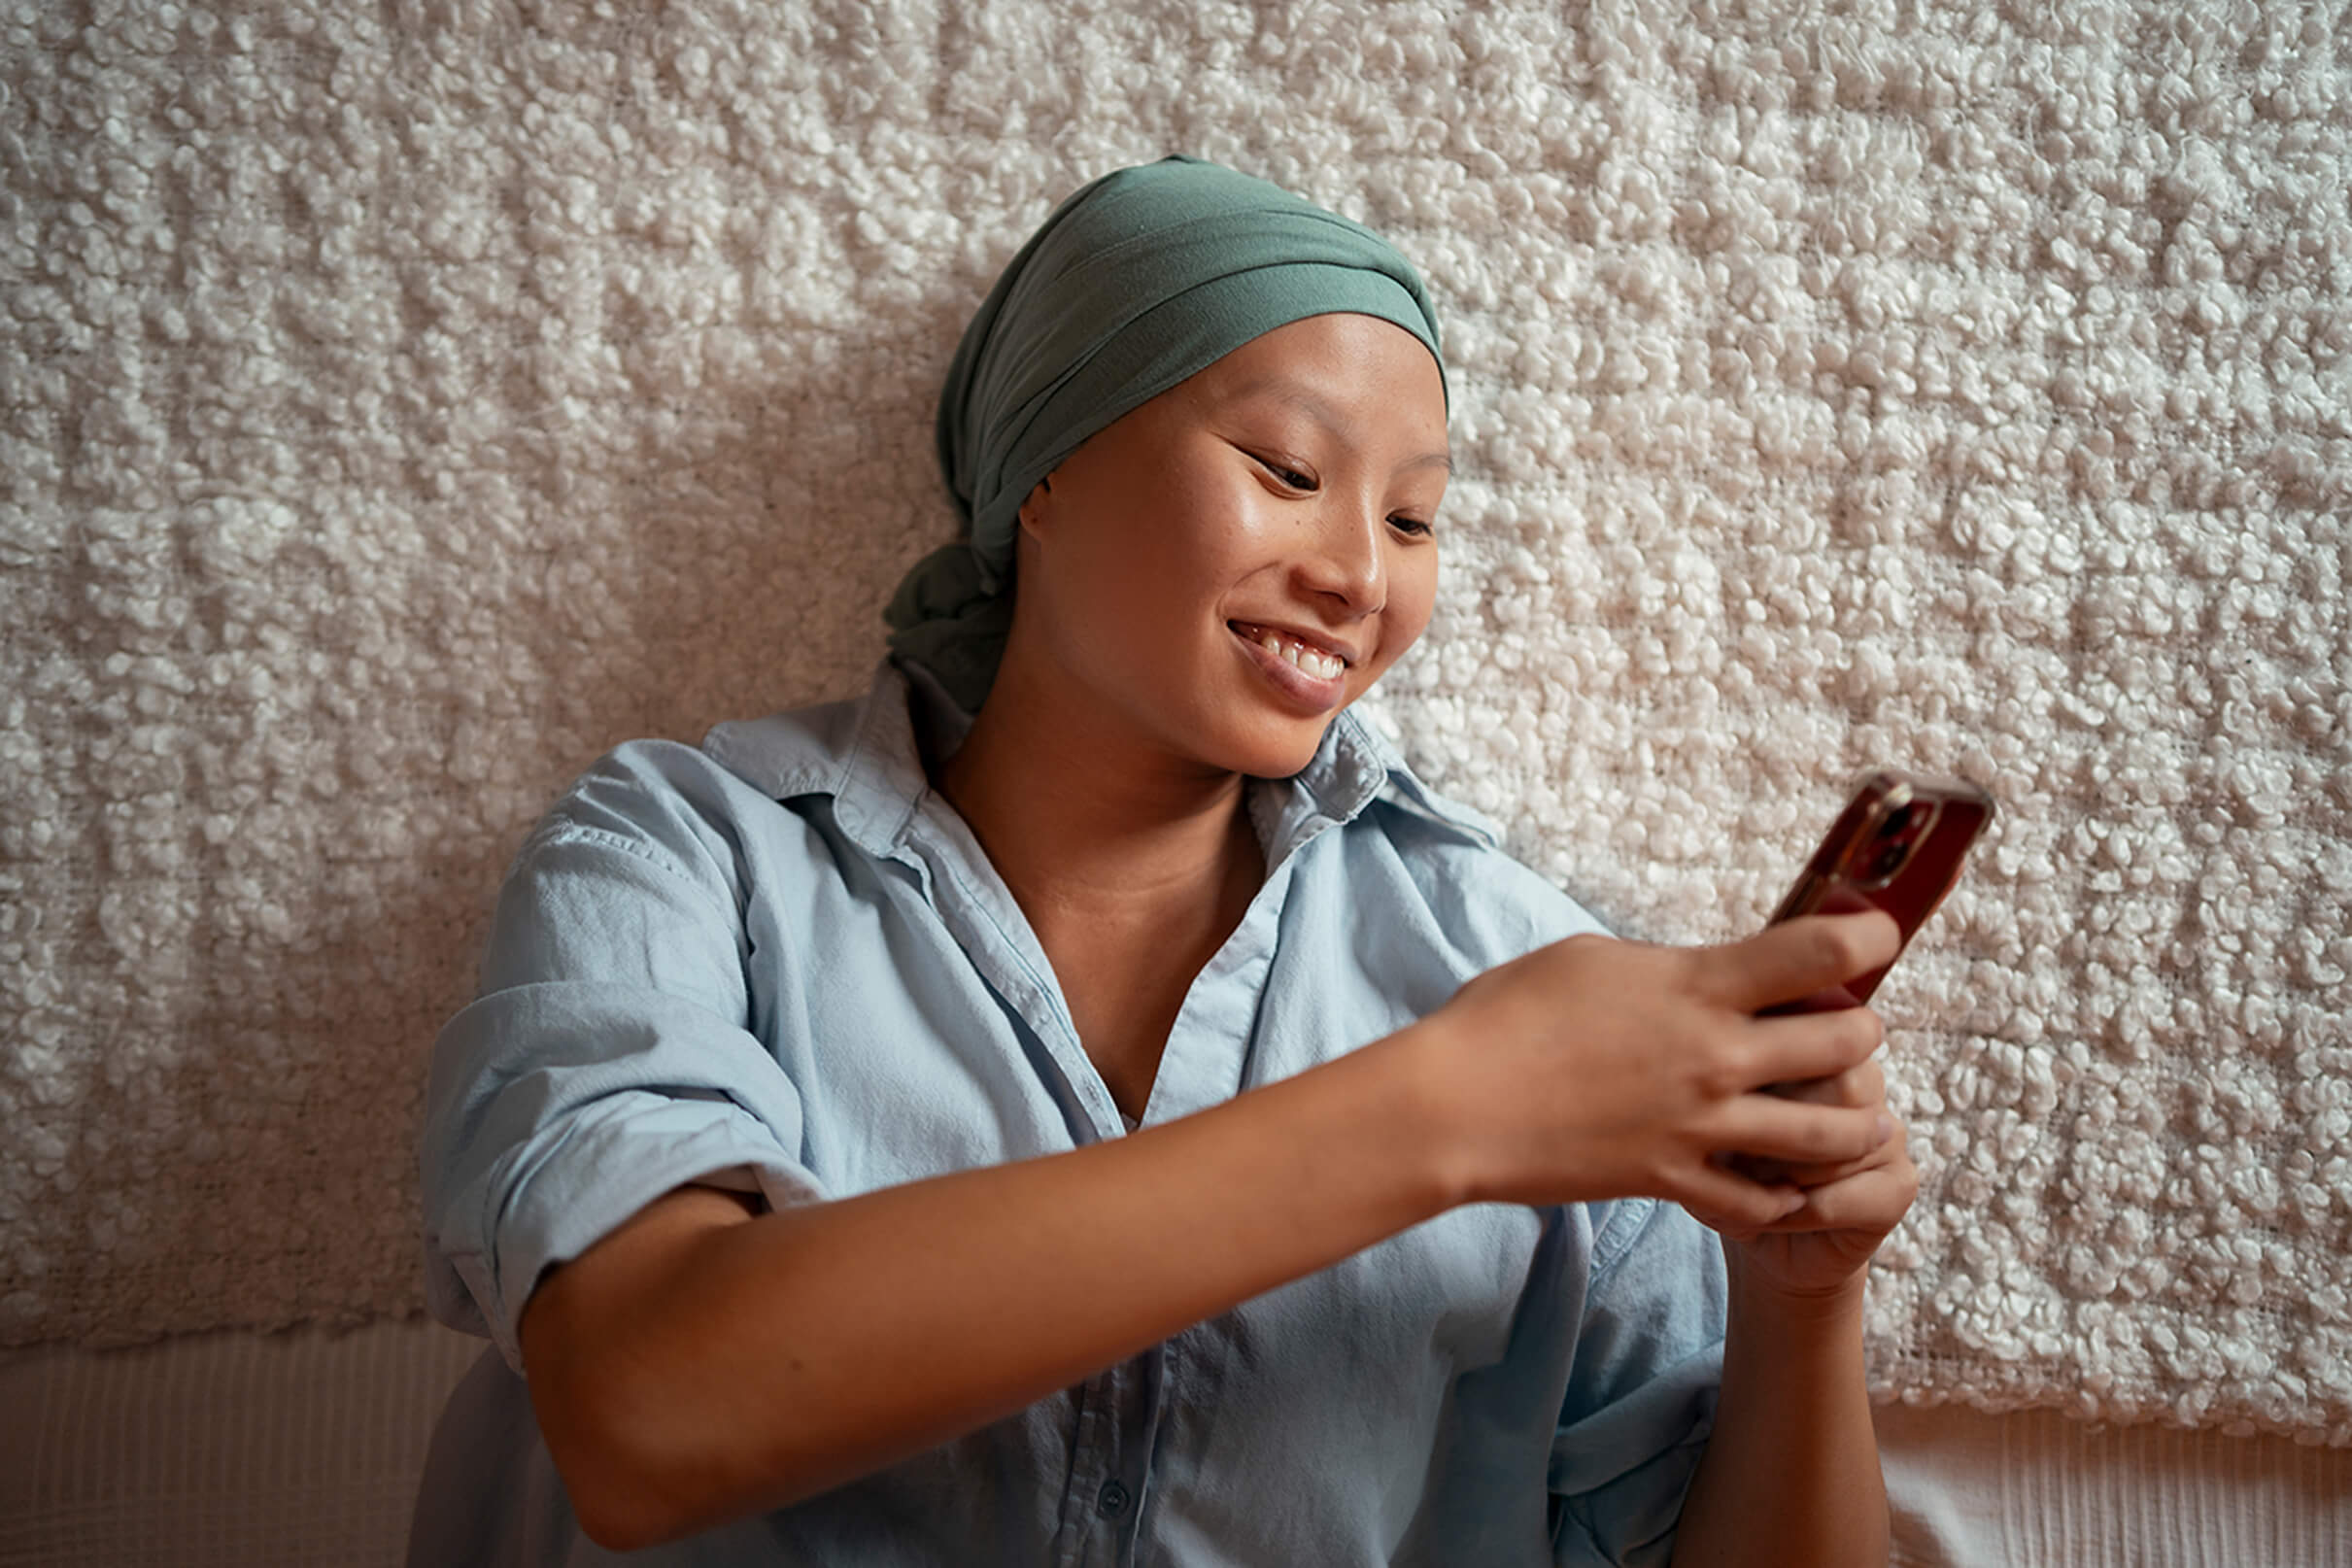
1306,658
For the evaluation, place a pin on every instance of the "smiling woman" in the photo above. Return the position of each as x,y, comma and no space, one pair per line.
1087,1100
1203,583
1228,566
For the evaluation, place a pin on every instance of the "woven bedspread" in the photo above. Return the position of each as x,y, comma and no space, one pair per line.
401,404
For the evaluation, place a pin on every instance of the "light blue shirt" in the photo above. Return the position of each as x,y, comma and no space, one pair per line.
783,963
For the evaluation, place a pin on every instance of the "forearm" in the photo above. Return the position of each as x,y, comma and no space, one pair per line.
1791,1474
770,1359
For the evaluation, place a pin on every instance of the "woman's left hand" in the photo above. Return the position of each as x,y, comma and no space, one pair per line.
1849,1209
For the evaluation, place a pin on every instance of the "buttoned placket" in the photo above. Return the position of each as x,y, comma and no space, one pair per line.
1107,1492
1122,1409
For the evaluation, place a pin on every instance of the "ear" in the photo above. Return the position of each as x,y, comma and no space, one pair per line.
1033,510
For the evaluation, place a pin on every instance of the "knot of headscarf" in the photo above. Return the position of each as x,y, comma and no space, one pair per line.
1143,278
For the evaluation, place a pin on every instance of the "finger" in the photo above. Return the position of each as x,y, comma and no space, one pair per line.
1869,1203
1796,1050
1896,1149
1771,1173
1829,998
1734,1205
1863,1085
1769,1128
1798,958
1727,1227
1814,1176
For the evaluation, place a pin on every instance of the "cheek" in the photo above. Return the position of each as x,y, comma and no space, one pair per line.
1411,601
1198,538
1155,566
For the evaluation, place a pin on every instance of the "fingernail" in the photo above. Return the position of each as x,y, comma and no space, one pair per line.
1791,1204
1886,1127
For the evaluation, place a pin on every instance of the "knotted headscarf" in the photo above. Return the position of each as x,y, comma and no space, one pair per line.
1143,278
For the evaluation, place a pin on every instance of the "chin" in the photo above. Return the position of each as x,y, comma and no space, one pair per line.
1279,749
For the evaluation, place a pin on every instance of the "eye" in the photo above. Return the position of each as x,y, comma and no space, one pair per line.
1412,526
1290,477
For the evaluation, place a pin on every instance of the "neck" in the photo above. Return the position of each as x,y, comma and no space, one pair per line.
1083,817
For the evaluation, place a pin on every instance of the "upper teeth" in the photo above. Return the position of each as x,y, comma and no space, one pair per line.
1313,661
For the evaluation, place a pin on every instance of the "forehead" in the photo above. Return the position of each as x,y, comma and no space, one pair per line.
1340,340
1360,363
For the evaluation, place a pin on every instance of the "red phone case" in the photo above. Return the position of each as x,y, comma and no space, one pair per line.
1897,846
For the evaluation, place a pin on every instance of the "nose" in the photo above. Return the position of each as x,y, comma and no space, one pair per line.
1348,558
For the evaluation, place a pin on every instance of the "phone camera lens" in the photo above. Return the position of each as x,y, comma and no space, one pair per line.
1898,834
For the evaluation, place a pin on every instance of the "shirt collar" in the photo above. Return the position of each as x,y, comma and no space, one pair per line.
865,755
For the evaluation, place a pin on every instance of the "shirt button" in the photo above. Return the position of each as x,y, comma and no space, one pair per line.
1112,1500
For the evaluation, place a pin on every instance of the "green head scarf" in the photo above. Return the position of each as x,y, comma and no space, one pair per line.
1146,276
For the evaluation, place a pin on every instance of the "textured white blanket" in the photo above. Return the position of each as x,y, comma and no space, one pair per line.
405,402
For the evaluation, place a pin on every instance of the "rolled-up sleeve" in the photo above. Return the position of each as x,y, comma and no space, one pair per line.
607,1058
1642,1392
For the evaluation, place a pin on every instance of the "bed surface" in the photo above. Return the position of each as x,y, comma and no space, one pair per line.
239,1450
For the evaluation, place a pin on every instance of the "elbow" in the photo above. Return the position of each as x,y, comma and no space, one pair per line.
626,1498
620,1489
622,1516
653,1439
619,1526
640,1471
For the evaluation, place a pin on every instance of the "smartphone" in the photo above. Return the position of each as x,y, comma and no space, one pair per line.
1897,846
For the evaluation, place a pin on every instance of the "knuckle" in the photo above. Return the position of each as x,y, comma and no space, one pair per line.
1852,1136
1885,936
1868,1030
1719,1073
1826,947
1861,1090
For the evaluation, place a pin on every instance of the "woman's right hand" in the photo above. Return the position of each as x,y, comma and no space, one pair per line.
1597,1069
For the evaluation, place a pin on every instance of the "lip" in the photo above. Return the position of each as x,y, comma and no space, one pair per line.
1311,694
1337,650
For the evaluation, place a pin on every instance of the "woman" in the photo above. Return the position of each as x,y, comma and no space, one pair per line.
1087,1101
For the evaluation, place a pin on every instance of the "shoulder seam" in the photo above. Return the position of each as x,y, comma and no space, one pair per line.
558,829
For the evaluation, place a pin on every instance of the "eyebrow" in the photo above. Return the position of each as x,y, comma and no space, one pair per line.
1284,390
